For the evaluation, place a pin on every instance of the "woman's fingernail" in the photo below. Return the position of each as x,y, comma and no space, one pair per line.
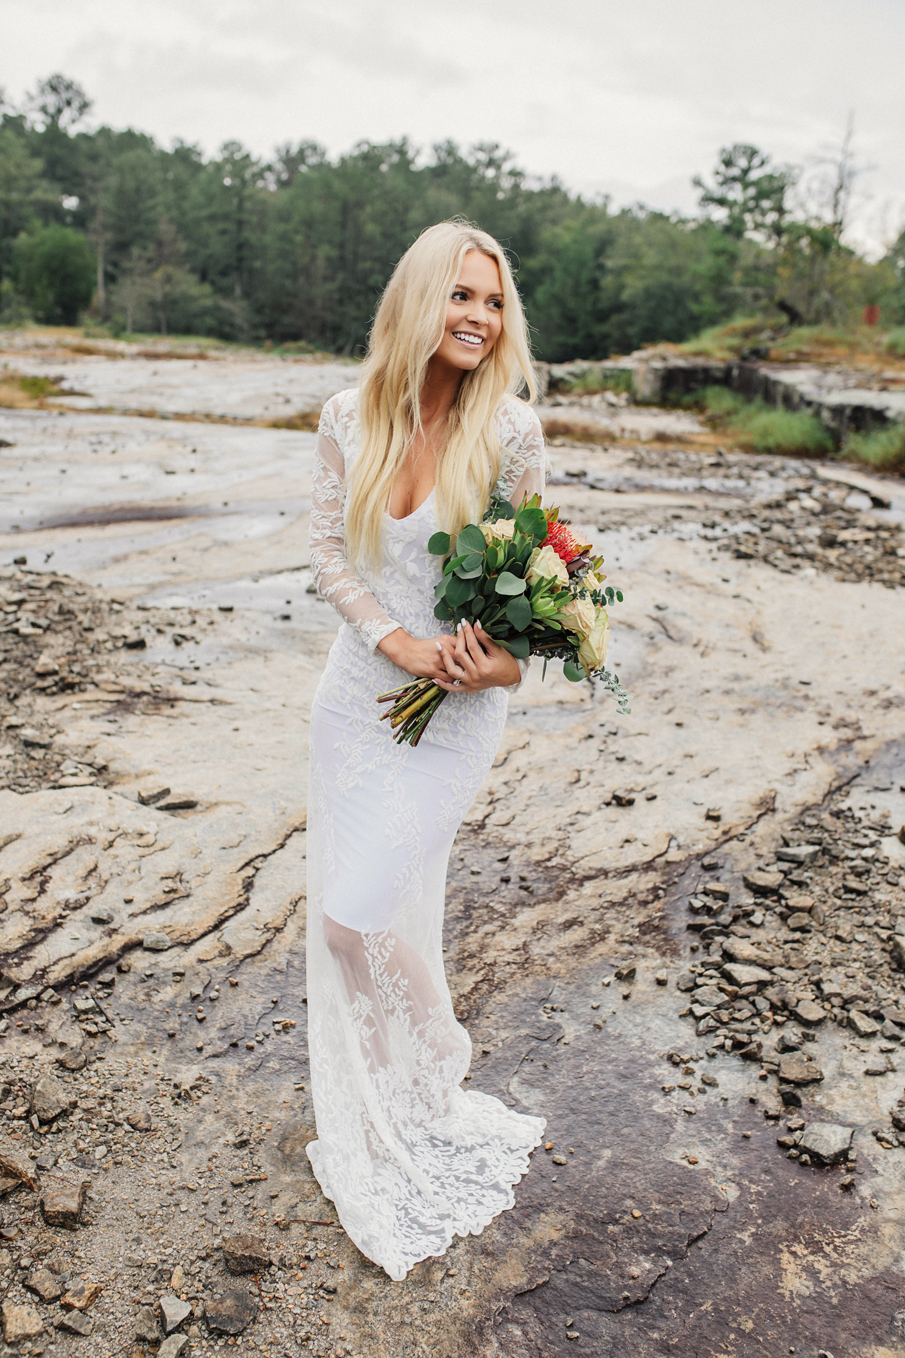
439,648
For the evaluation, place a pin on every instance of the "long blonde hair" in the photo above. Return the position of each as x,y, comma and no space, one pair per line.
407,330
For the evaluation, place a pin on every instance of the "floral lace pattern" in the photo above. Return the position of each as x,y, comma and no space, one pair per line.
409,1158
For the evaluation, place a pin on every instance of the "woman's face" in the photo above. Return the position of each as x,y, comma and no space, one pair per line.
474,317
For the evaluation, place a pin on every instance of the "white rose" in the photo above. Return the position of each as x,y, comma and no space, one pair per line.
593,649
578,615
544,564
500,530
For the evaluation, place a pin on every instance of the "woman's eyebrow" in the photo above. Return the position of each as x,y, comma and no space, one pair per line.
463,287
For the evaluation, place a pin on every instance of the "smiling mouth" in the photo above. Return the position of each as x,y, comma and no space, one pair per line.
466,337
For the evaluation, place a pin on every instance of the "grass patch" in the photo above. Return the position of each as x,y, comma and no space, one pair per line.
591,383
895,342
724,343
26,393
869,346
883,449
769,430
762,427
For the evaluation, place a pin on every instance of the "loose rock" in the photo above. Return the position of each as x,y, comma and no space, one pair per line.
20,1321
231,1312
63,1206
173,1311
75,1324
147,1326
795,1069
50,1098
81,1295
44,1284
172,1347
827,1142
18,1165
156,941
245,1254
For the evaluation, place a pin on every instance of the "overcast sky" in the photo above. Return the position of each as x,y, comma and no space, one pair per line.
630,98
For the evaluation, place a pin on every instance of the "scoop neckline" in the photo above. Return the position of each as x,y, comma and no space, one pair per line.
415,511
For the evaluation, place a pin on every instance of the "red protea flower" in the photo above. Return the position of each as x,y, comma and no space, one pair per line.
564,542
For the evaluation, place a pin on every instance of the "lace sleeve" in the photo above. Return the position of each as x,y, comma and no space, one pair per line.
524,460
334,577
524,469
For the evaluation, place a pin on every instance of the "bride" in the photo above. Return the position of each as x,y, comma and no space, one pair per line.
409,1158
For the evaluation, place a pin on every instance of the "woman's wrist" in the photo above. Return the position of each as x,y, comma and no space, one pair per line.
393,644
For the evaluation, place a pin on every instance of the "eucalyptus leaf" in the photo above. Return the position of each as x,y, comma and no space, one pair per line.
440,589
572,671
443,611
507,583
471,539
518,611
459,591
520,647
438,544
532,522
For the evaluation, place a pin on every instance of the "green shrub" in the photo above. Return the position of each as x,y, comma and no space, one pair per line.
880,448
895,341
766,428
719,402
596,380
38,387
771,430
54,272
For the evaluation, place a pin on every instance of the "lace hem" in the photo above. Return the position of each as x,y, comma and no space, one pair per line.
467,1222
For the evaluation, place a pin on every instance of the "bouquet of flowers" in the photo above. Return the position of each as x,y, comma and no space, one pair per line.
536,590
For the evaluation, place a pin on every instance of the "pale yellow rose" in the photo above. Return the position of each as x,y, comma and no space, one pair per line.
579,615
544,564
593,649
592,582
500,530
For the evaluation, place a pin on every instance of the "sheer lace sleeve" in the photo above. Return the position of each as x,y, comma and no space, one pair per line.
335,578
524,469
524,463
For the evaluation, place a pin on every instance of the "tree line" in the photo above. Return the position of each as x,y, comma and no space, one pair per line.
295,249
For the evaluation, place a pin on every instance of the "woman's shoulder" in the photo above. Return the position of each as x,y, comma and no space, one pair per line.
520,430
339,416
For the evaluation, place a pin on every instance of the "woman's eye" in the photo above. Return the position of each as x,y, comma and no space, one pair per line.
460,296
498,305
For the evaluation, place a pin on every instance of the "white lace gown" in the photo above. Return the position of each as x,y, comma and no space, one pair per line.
409,1158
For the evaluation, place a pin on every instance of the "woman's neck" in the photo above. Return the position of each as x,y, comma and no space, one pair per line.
439,392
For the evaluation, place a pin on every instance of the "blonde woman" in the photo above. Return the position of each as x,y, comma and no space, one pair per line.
409,1158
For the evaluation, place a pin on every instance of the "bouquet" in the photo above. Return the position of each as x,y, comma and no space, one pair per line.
536,590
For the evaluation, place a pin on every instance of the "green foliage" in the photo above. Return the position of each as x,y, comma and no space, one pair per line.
766,428
769,430
720,401
883,449
38,387
895,341
297,249
54,272
747,196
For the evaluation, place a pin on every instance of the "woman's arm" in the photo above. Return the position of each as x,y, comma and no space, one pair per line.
338,582
334,577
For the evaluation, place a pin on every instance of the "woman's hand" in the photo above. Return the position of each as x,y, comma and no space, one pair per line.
423,659
474,662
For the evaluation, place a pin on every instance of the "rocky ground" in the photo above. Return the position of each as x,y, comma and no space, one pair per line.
678,935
